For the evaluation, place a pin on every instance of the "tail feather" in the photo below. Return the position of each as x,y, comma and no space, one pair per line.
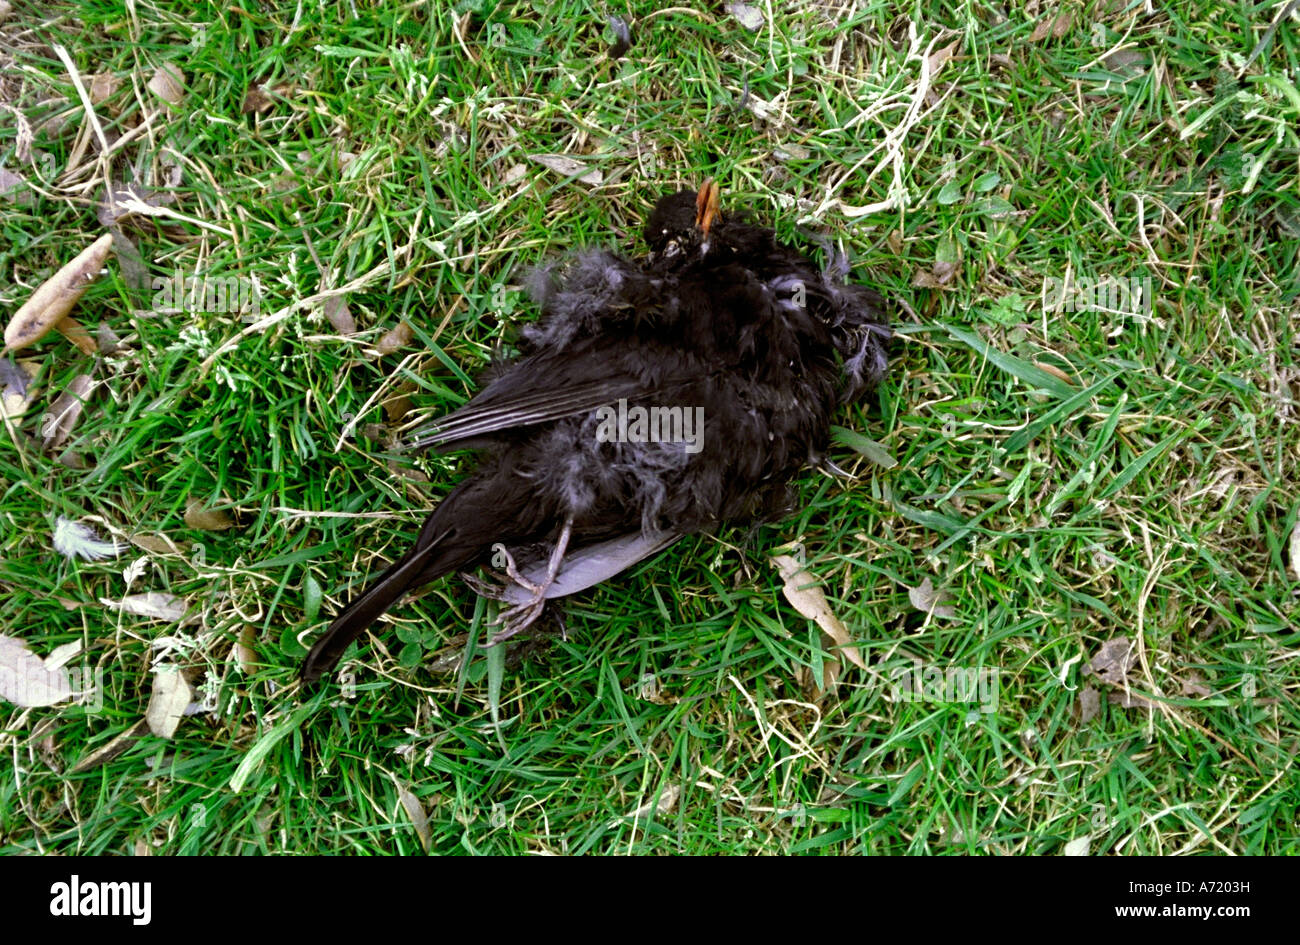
360,613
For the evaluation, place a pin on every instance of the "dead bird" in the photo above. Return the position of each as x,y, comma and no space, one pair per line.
654,398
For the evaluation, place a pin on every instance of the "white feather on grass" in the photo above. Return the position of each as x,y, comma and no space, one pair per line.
75,540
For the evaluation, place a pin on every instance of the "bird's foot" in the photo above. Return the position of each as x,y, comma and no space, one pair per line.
523,613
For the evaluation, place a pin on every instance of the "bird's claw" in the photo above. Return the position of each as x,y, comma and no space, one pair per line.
522,615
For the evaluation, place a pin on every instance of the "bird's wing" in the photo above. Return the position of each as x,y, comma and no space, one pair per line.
496,410
589,565
543,389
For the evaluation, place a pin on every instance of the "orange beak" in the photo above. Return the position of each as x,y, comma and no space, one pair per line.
706,206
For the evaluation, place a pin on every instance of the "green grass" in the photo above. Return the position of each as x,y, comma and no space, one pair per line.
1066,477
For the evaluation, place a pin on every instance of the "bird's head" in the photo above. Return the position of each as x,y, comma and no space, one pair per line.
680,225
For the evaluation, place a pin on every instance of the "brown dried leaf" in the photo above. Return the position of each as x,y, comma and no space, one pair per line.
160,544
107,340
1112,662
666,802
65,412
806,596
569,167
1089,704
1056,26
1055,371
16,389
171,696
75,332
339,315
245,653
409,473
168,83
26,680
1194,685
57,295
937,58
395,340
419,819
929,601
102,87
395,408
937,277
198,515
1130,700
13,187
256,101
111,750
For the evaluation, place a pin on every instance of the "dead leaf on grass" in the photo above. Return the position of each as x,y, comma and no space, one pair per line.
937,277
666,802
1113,661
14,187
198,515
168,83
570,167
339,315
747,15
929,601
56,296
76,333
114,747
1054,26
244,651
1079,846
102,87
1129,699
419,819
171,696
16,389
806,596
65,412
394,340
934,62
28,681
1089,704
160,544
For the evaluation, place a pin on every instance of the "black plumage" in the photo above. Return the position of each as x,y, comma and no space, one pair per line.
720,322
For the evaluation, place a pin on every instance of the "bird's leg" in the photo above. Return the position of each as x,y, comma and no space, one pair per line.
486,589
522,615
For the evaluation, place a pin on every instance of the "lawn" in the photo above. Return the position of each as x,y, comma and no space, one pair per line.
1064,545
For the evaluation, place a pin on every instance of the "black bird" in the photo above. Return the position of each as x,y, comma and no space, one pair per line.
652,399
